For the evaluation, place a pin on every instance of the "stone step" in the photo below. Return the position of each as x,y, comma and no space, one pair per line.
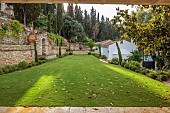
84,110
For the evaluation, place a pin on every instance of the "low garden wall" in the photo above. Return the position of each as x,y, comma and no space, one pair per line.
14,54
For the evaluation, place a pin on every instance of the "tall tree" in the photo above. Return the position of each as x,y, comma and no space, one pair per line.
101,35
95,31
26,13
98,16
48,8
70,10
71,29
154,36
55,24
49,28
80,19
87,24
119,53
76,12
93,21
59,18
93,16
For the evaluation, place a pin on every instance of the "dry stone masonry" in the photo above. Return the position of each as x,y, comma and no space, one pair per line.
14,54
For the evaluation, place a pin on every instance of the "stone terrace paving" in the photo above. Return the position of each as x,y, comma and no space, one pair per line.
84,110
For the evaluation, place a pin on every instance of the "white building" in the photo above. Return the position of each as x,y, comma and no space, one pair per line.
125,47
105,47
109,49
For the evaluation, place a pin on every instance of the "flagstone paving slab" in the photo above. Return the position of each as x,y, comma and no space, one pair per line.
77,110
84,110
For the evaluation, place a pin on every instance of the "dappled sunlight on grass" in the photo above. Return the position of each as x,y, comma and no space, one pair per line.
34,93
38,91
143,81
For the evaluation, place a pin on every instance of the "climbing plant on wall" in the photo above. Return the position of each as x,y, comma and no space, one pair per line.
16,29
56,38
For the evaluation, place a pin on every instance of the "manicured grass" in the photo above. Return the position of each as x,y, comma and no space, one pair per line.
81,80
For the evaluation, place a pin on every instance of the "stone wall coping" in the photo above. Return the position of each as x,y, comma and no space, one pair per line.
15,47
63,47
47,55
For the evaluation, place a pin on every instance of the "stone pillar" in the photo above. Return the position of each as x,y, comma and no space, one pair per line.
39,49
46,45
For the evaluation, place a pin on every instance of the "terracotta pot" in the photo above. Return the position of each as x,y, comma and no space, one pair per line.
31,38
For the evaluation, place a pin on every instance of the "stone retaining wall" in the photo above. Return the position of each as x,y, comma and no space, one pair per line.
14,54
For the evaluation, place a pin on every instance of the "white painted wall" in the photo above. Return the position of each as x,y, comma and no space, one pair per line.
126,48
105,51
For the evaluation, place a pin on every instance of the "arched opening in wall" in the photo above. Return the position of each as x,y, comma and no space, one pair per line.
43,47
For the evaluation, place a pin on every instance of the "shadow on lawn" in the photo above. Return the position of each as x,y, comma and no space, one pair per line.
22,88
159,91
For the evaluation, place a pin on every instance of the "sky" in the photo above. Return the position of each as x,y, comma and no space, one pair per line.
108,10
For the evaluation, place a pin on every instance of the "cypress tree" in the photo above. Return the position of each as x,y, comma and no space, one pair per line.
100,54
49,23
70,10
98,20
55,25
119,53
76,13
35,50
80,20
60,47
59,18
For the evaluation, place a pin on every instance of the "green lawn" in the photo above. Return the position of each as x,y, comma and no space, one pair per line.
81,80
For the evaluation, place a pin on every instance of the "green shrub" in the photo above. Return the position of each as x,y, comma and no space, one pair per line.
70,53
60,56
5,70
1,71
143,70
123,63
44,61
11,68
65,54
163,75
136,56
152,74
137,71
23,65
89,53
115,61
32,64
42,58
132,67
135,63
127,65
40,62
103,57
96,55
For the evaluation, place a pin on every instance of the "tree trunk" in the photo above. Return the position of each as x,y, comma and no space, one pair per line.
59,32
167,63
24,16
32,26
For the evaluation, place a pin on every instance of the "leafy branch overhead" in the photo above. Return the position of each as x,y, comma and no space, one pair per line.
148,28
